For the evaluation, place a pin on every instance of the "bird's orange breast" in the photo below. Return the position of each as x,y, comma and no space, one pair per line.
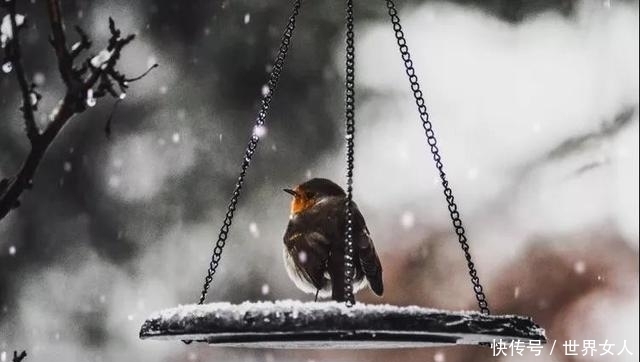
299,204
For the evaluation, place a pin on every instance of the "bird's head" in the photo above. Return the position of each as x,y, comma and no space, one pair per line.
309,193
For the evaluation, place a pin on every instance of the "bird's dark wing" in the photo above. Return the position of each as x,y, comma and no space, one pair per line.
309,251
369,260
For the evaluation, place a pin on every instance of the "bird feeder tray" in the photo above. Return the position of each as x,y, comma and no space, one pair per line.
314,325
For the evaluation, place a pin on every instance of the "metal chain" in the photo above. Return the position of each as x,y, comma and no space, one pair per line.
350,133
274,76
431,140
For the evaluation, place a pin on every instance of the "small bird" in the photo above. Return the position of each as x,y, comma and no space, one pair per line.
314,242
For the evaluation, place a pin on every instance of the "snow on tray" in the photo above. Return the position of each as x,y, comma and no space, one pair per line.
291,322
294,306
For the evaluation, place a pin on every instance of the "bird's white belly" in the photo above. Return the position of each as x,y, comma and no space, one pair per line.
300,281
306,286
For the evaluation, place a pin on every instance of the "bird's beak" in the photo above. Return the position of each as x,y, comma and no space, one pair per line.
290,191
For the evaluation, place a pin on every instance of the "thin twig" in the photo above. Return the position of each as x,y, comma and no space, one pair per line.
154,66
14,56
109,123
59,41
19,357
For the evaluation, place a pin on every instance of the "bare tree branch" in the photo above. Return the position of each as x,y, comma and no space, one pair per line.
94,78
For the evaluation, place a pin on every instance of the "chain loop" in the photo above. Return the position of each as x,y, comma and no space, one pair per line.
431,140
350,133
274,76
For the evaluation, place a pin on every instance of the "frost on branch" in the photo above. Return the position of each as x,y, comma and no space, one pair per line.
6,29
100,60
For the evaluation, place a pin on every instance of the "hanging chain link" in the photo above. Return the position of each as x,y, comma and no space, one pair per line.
431,140
274,76
350,133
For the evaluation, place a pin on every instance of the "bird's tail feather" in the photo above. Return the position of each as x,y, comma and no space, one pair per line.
375,282
371,267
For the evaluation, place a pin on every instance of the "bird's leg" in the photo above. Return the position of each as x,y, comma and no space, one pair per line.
317,291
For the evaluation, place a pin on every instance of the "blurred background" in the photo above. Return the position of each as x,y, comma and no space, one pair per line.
535,104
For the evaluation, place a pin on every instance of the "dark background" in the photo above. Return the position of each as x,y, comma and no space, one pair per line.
535,102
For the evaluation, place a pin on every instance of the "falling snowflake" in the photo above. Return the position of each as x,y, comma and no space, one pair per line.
247,18
175,138
579,267
12,250
265,90
302,256
253,229
259,131
438,357
265,289
39,78
407,220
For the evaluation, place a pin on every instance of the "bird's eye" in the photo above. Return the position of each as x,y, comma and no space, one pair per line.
309,195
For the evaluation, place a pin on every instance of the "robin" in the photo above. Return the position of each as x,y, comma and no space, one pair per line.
314,242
